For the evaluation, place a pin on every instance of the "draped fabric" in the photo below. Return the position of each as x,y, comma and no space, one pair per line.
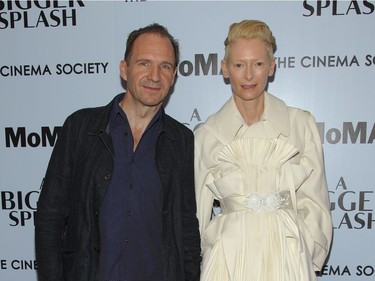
275,222
260,244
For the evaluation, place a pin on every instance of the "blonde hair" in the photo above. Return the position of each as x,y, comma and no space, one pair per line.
250,29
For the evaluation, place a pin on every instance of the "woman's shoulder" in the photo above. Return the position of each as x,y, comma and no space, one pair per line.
300,115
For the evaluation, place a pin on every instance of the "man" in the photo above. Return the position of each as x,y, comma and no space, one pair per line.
118,199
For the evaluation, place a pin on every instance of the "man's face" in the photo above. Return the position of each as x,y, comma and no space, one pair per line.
150,71
248,68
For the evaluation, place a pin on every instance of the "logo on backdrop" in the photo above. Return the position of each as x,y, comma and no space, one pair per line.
209,65
18,264
363,270
19,137
337,8
200,65
352,208
204,65
78,68
195,120
349,133
353,133
324,61
20,206
36,14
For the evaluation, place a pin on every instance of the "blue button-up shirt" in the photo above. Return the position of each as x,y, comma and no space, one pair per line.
130,219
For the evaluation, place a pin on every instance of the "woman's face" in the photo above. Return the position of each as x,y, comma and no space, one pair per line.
248,67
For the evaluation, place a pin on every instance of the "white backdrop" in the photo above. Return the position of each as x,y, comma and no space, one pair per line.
59,56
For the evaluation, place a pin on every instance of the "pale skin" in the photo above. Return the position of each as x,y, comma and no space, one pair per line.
149,73
248,67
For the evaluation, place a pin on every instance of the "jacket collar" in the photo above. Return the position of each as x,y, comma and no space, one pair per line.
276,112
228,120
101,123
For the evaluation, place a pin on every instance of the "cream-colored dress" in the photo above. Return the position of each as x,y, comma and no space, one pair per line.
262,232
257,209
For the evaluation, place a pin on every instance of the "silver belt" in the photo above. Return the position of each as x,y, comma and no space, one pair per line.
255,202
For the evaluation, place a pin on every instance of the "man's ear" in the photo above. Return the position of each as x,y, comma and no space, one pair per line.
123,70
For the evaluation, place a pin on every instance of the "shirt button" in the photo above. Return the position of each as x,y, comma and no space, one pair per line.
130,213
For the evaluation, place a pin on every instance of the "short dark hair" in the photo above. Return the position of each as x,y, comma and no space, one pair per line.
152,28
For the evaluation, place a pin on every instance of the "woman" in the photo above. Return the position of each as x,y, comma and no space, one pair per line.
263,162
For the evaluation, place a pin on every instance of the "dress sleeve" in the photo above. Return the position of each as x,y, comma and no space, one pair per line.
312,198
204,196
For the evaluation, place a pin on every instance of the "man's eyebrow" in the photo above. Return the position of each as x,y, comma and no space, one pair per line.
168,62
149,60
139,60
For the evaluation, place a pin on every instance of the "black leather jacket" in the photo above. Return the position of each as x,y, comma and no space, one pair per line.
78,175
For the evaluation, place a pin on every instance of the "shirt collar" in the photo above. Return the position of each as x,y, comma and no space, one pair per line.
117,111
229,121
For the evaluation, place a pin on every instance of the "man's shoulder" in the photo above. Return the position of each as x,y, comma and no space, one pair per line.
85,115
91,119
93,112
87,112
173,126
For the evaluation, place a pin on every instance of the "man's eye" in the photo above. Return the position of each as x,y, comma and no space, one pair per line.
166,66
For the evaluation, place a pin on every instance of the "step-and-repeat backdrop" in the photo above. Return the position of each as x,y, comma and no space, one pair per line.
59,56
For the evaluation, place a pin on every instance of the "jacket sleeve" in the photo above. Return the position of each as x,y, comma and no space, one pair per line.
192,252
312,198
52,209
